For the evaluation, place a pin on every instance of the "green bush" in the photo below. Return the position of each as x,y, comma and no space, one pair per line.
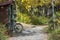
35,20
43,20
39,20
3,36
55,33
23,18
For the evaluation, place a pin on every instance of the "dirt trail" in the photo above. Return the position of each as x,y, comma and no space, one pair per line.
32,33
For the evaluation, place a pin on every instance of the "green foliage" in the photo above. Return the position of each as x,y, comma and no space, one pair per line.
35,20
39,20
23,18
55,33
43,20
3,36
28,3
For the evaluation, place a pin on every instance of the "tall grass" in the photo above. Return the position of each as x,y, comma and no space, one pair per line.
55,34
3,36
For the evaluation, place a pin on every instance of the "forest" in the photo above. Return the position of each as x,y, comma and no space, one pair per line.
38,12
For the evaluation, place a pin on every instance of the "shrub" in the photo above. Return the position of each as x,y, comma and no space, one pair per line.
23,18
39,20
43,20
3,36
35,20
55,34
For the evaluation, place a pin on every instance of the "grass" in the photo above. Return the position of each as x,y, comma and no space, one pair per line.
3,36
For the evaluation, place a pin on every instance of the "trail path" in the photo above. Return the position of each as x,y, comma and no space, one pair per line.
31,33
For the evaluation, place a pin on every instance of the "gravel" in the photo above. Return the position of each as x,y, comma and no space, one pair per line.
34,33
